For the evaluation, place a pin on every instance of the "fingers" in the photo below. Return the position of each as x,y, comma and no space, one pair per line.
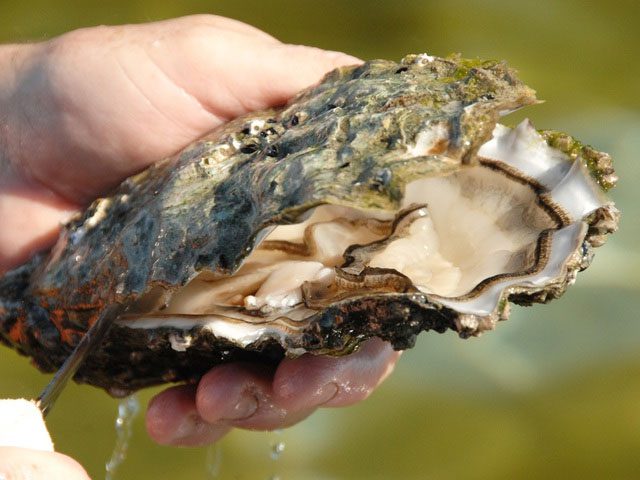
287,69
236,74
25,464
216,21
256,397
172,419
242,395
334,381
234,395
31,455
159,85
31,220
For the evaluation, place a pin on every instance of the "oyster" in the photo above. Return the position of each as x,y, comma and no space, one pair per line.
384,201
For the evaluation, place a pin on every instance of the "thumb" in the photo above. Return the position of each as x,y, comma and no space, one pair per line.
22,425
24,464
26,451
231,74
287,69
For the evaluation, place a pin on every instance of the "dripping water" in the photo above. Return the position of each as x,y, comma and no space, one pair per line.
128,409
213,461
276,448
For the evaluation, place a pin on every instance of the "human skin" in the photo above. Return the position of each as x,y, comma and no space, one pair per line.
81,112
26,464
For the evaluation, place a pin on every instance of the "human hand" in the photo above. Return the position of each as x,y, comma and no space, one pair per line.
83,111
26,451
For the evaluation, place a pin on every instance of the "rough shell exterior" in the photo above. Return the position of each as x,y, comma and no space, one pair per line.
341,142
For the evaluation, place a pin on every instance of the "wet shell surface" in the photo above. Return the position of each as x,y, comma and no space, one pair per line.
384,201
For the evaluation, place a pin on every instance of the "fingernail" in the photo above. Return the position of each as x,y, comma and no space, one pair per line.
245,407
194,431
344,58
191,426
326,393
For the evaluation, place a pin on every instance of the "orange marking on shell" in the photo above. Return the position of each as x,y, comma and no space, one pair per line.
17,332
70,336
86,306
91,320
67,335
57,316
439,147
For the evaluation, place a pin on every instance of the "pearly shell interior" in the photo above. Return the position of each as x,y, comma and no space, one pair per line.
513,219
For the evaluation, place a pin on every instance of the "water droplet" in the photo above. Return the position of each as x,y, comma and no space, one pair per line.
128,409
276,450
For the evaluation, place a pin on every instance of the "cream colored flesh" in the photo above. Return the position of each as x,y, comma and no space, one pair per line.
481,234
480,224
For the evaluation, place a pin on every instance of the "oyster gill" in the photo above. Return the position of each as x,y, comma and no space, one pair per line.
382,202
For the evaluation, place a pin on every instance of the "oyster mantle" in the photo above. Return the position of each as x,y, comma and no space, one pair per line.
384,201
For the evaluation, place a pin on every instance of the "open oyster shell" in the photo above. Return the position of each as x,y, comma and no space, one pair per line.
382,202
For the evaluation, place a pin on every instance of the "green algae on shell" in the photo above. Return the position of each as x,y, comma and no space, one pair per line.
384,201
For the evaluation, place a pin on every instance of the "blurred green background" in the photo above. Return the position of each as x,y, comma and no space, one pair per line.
552,393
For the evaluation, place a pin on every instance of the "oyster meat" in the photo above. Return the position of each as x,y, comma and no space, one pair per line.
384,201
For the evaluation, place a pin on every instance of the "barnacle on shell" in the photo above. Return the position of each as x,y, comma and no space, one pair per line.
384,201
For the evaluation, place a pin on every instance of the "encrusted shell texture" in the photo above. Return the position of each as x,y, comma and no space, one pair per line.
356,141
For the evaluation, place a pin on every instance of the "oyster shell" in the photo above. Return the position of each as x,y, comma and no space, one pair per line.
382,202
